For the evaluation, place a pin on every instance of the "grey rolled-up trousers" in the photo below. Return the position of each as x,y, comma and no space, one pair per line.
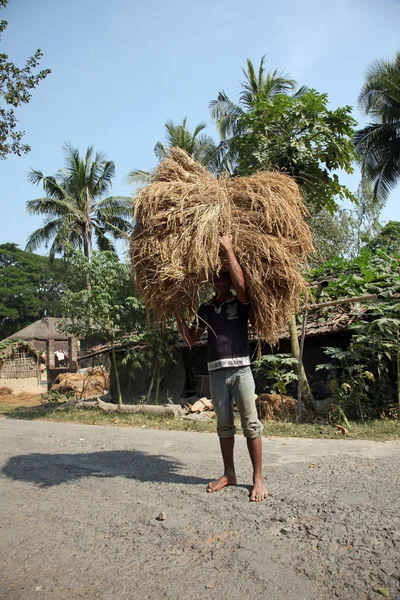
235,384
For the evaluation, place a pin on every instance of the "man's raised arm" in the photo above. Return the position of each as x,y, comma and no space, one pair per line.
237,275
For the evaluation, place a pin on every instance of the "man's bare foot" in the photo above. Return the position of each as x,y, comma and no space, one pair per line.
218,484
259,492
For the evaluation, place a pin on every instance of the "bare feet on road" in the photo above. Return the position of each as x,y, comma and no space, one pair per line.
218,484
259,492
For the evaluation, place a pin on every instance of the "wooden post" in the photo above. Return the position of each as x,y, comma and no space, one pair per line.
340,301
301,366
50,362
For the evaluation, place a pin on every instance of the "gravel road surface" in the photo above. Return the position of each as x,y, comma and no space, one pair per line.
79,507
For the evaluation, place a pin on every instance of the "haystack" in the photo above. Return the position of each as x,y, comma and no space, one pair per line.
275,406
94,382
175,248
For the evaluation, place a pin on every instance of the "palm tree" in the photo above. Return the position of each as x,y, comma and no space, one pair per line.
77,206
256,86
378,144
201,147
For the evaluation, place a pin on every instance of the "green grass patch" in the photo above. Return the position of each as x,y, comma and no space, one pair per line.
380,430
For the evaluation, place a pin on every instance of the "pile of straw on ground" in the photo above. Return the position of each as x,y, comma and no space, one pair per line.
274,406
94,382
175,248
5,391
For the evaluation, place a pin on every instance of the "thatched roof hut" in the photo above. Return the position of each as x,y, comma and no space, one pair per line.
42,330
18,360
45,336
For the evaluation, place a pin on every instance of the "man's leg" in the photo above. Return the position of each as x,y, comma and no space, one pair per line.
244,395
226,429
229,476
259,491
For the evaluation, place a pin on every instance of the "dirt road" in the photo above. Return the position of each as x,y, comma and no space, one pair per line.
79,506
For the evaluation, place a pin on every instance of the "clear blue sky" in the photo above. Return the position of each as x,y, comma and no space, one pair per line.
120,69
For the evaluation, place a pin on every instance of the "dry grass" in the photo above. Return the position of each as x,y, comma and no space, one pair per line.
83,385
175,247
274,406
21,399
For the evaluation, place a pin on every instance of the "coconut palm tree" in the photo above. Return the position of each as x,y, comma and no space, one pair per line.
201,147
262,85
378,144
77,207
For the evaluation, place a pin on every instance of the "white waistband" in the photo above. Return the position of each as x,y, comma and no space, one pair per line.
223,363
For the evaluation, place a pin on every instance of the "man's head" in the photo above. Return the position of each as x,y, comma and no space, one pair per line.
222,283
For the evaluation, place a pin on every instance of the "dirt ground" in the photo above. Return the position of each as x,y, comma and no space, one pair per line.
21,399
79,507
28,385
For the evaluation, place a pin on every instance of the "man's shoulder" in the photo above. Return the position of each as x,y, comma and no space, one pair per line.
206,305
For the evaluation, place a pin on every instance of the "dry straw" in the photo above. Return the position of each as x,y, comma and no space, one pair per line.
175,249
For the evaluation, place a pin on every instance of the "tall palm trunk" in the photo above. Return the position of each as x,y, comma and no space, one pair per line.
88,225
87,235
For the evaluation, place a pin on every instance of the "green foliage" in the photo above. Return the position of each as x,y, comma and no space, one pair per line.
364,375
77,207
30,288
369,273
388,239
11,347
153,348
378,144
366,215
261,85
15,89
109,308
201,147
333,234
346,231
300,137
278,367
55,397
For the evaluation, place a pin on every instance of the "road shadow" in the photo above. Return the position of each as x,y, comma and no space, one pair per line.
47,470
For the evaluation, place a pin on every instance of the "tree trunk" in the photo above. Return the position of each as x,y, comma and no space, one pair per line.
150,387
114,362
301,369
87,235
88,224
87,254
158,380
174,410
306,393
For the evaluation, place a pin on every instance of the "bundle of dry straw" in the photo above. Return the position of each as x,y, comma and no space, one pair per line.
175,249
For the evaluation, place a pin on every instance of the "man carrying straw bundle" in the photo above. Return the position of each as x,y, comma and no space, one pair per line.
226,317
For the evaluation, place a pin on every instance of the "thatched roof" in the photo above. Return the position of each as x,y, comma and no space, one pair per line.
8,348
43,330
336,321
